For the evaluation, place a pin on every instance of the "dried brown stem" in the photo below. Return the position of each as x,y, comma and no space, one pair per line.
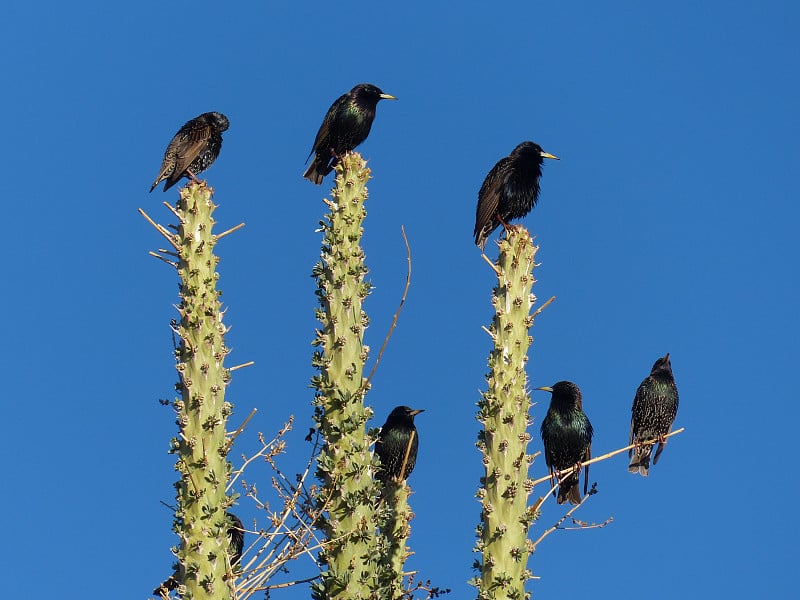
249,363
490,263
219,236
160,229
396,314
171,263
542,307
571,470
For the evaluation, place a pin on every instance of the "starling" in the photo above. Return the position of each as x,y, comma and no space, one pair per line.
397,444
235,537
193,149
654,408
510,190
236,541
567,437
346,125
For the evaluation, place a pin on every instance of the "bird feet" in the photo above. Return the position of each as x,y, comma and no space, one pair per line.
505,225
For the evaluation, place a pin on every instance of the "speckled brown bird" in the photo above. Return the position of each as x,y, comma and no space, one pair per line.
654,409
193,149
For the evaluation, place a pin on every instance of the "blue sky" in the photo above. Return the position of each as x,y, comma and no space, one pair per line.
669,225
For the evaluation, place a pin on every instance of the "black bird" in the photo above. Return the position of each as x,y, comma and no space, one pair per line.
510,190
654,408
193,149
567,437
346,125
397,442
236,537
236,541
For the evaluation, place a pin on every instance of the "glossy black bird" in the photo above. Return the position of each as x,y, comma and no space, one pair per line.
346,125
510,190
236,537
236,540
654,408
567,437
193,149
397,442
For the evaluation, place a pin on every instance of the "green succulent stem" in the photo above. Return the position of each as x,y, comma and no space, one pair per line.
395,531
344,466
203,571
504,411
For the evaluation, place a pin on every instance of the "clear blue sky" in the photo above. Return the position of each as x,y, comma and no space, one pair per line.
669,225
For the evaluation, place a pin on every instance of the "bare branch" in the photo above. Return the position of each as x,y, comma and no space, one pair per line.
490,263
160,229
249,363
571,470
396,314
219,236
542,307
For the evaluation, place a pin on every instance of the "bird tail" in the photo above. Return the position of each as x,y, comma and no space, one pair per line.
640,462
317,170
482,233
171,180
569,491
157,181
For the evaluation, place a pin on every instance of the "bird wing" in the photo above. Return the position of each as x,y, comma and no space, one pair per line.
547,460
321,142
194,139
489,197
322,137
638,399
586,456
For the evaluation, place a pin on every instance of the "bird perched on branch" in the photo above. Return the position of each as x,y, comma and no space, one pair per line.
344,127
510,190
397,445
567,436
193,149
654,409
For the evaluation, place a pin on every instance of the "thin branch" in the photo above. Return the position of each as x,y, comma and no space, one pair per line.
278,586
174,211
561,520
167,235
407,453
490,263
571,470
396,314
243,365
236,433
172,263
229,231
542,307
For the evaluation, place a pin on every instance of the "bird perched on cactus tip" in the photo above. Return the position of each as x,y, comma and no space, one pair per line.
397,444
510,190
654,409
193,149
344,127
567,436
